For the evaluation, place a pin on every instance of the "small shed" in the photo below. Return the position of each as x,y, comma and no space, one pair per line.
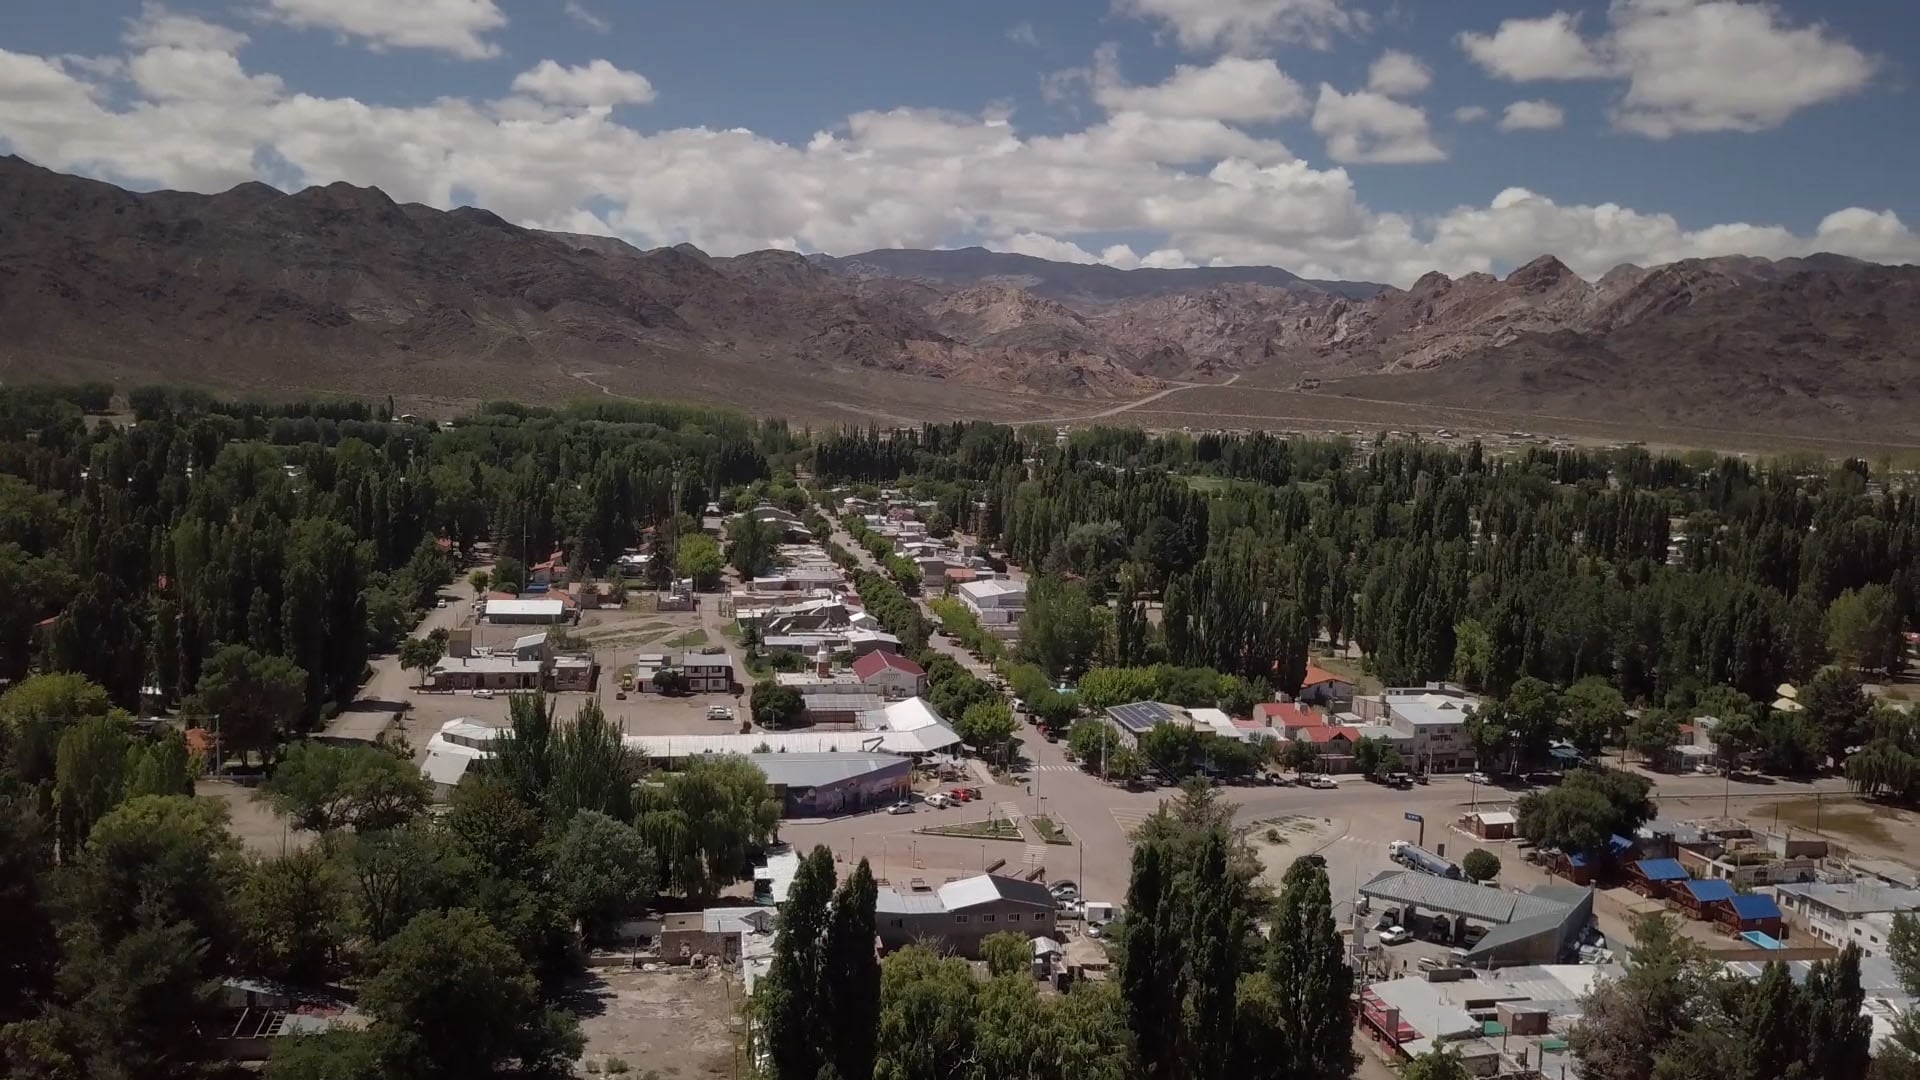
1493,824
1656,877
1745,913
1699,896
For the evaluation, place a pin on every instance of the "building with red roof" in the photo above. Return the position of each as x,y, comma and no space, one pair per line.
890,674
1323,687
1287,717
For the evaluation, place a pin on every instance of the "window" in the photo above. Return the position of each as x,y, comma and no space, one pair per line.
986,918
898,924
1013,916
960,918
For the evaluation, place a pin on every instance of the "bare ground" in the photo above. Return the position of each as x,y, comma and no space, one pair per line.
671,1022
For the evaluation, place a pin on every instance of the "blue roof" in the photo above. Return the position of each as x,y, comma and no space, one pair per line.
1619,843
1662,869
1576,859
1755,906
1710,890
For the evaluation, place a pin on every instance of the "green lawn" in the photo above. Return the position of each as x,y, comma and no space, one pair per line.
692,639
1050,832
990,829
731,631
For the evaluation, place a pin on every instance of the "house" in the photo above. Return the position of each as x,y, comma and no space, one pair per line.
1700,898
1656,878
452,751
1136,719
1287,717
255,1017
1539,926
717,934
1334,743
1433,717
707,673
486,671
531,646
960,914
1324,688
1857,912
996,604
548,610
1752,913
1217,723
890,674
573,671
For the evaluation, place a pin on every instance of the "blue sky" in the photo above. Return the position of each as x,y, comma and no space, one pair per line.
1371,140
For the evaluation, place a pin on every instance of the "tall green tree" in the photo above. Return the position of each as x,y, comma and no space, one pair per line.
1310,976
254,702
602,870
849,990
789,1003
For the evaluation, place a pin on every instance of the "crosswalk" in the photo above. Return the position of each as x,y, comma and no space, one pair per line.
1129,819
1035,855
1053,768
1010,810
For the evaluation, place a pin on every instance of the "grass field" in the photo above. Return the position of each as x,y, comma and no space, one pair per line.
692,639
990,829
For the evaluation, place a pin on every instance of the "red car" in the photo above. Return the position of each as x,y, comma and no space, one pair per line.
963,794
974,793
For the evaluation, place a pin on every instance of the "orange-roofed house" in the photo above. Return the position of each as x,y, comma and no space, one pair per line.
1323,687
201,743
1335,744
1287,718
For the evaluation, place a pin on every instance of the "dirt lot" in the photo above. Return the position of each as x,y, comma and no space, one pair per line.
262,829
672,1022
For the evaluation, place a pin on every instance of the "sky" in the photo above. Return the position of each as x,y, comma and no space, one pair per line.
1359,139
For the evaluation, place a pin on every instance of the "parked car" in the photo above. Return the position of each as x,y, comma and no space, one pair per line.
1323,783
719,712
440,603
483,692
962,794
1395,935
974,793
940,800
1479,778
619,695
901,807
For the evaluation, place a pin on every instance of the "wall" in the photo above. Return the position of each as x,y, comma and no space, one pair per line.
872,791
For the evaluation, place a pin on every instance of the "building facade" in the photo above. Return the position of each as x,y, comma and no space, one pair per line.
1432,718
961,914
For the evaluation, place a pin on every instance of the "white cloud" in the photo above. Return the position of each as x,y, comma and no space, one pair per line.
1368,128
1724,66
586,17
1241,26
1470,114
155,26
1042,246
1527,49
1533,116
1228,89
1398,74
1689,65
1195,191
595,83
452,26
1023,33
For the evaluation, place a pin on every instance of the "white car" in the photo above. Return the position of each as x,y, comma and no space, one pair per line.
440,603
940,800
483,693
1323,783
1395,935
1479,778
900,808
720,712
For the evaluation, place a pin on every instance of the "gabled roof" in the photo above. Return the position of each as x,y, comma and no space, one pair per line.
875,662
1317,675
1288,714
1754,906
1709,890
1326,733
1662,870
986,888
1483,902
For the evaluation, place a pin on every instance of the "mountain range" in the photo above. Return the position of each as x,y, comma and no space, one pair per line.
339,288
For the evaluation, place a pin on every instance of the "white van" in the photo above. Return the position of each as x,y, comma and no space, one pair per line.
1099,912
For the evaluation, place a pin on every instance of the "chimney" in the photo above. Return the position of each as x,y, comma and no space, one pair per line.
823,662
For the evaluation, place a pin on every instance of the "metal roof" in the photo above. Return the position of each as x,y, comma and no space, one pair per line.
985,888
1142,716
1429,707
1662,870
843,702
1754,906
1710,890
497,608
889,901
1482,902
1854,898
816,770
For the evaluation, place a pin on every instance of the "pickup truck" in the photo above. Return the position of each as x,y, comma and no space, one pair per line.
720,712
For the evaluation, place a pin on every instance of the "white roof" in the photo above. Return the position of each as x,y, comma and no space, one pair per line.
528,641
981,590
909,715
1376,731
1497,817
465,729
447,764
792,742
1426,707
1217,722
967,892
495,664
778,873
523,607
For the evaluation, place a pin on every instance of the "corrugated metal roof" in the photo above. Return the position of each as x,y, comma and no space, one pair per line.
814,770
894,902
985,888
1662,870
1483,902
1710,890
1754,906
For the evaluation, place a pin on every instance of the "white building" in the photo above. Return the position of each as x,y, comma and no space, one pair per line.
1433,720
1858,912
452,751
997,604
525,611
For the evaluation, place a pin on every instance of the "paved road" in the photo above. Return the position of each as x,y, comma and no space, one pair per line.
390,686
